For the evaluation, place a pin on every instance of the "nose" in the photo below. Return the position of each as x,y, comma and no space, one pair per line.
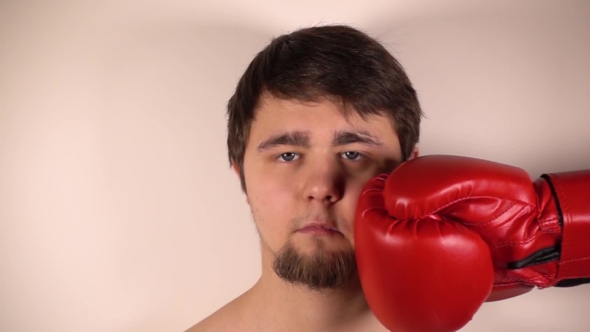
324,183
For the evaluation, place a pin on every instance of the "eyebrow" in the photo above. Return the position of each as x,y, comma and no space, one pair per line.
296,138
343,137
301,138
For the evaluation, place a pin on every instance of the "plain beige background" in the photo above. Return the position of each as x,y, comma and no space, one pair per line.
118,209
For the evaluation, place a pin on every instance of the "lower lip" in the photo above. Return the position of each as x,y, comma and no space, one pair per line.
318,231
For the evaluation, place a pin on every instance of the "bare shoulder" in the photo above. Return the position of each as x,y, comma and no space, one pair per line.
228,318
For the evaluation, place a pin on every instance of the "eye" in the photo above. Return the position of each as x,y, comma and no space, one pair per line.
288,156
352,155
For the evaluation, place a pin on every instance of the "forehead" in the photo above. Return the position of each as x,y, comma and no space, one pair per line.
276,115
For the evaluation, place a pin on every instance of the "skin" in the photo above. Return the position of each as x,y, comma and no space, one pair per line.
291,185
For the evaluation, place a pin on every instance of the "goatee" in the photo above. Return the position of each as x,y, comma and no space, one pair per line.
321,270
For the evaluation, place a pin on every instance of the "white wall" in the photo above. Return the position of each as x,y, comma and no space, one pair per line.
118,211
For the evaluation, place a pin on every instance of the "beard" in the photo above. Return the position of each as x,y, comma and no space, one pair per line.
322,269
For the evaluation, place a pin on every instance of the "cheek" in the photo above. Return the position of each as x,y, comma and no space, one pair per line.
270,191
271,204
348,209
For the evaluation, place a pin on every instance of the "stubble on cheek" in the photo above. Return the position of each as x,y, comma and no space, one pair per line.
271,225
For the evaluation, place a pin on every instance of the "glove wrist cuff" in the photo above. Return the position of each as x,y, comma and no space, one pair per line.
572,199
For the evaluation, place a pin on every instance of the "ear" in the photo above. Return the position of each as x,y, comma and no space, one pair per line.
236,169
415,153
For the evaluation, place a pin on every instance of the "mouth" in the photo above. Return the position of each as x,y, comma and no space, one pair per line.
319,229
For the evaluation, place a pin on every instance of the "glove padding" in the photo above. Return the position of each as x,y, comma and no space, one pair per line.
427,234
418,274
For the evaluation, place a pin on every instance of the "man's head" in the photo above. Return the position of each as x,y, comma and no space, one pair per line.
317,113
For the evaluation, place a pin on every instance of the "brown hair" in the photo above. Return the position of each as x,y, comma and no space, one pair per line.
337,62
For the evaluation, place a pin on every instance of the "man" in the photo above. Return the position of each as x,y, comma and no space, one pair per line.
322,133
317,114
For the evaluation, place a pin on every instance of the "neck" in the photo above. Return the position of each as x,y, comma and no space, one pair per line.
297,308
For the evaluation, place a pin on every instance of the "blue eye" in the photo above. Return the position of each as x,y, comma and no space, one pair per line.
351,155
288,156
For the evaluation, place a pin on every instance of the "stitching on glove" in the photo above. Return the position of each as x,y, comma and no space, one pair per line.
574,260
501,213
486,232
540,280
542,277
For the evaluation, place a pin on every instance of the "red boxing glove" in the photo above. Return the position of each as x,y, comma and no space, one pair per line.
418,274
419,234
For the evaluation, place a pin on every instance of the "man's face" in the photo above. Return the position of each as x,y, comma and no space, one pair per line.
304,166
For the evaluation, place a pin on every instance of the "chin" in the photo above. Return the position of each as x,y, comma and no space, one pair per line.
318,263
